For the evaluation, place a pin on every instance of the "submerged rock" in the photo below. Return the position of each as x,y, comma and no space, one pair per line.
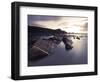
45,46
68,43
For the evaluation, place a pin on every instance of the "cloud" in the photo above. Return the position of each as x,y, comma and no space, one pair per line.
59,22
32,19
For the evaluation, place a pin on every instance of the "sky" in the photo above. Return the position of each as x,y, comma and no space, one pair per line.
66,23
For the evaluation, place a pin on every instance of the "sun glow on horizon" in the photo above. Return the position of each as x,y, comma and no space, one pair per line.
68,24
73,29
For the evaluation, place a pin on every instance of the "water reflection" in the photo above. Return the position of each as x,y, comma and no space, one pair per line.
77,54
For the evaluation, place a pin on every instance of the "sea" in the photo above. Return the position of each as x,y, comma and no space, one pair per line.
60,56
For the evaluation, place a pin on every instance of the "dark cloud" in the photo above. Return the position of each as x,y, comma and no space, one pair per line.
85,27
34,18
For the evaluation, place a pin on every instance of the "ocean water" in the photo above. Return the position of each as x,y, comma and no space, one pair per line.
60,56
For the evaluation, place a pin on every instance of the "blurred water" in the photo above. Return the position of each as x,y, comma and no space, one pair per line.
61,56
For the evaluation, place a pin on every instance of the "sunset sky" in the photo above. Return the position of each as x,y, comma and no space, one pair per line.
66,23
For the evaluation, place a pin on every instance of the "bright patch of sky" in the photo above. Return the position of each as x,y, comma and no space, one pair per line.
66,23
